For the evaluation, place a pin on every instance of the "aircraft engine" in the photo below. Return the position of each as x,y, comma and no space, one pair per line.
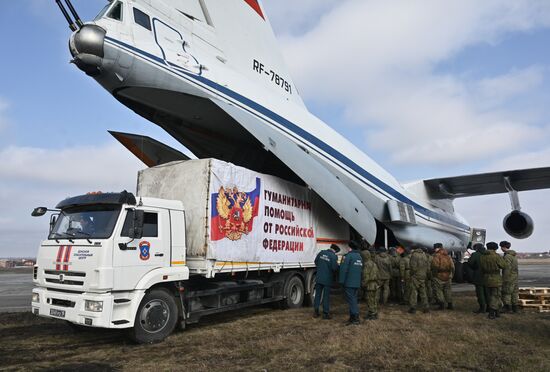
518,225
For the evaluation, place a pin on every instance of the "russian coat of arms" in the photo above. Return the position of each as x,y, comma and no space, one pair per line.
235,211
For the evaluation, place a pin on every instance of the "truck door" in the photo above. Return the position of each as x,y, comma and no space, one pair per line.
134,258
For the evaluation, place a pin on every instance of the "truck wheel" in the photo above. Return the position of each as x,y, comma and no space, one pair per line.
294,293
156,317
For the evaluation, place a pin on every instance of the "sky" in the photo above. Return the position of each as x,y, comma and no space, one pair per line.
427,88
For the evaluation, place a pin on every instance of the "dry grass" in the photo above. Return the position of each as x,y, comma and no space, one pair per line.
266,339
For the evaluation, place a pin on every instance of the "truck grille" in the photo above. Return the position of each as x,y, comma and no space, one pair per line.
65,281
65,277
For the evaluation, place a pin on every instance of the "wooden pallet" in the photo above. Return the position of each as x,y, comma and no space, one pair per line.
534,291
533,302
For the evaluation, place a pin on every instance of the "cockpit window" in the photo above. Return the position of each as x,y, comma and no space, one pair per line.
142,19
116,12
103,11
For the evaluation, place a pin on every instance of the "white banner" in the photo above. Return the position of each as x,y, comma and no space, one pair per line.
259,219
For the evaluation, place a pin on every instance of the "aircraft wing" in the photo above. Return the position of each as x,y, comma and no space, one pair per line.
313,173
488,183
149,151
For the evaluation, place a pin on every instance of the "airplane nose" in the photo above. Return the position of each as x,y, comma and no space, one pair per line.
87,48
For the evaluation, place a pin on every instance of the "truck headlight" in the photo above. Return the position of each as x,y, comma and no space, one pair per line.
93,306
35,297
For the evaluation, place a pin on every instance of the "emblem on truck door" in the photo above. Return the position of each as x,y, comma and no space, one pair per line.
144,250
233,212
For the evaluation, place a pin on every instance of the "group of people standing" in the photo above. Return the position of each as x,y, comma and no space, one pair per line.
403,275
495,278
413,276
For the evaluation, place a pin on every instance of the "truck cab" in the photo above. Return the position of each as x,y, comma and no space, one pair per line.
103,252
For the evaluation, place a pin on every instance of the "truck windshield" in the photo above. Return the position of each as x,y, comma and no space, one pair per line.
88,222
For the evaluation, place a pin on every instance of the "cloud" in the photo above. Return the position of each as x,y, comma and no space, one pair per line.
291,17
34,177
379,61
105,166
497,90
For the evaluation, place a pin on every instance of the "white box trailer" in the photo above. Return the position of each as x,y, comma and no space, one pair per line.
200,237
240,220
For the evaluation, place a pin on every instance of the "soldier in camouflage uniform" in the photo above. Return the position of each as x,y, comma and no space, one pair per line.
370,285
443,268
477,279
418,268
405,275
491,266
384,262
510,290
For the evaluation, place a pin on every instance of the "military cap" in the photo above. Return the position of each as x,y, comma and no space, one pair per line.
335,248
477,246
492,246
505,244
438,245
382,249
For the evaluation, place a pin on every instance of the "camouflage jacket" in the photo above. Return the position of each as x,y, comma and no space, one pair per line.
384,263
405,267
370,274
510,273
419,265
491,265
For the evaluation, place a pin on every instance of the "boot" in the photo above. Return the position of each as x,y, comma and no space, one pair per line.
374,317
426,310
492,314
412,310
505,309
353,320
515,309
368,316
450,306
441,306
497,313
316,313
327,316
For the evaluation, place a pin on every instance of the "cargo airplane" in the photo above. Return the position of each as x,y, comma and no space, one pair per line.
209,73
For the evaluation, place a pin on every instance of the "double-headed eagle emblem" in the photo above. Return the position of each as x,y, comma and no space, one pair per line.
235,210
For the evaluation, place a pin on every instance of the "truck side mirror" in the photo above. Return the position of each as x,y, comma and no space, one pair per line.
39,212
136,232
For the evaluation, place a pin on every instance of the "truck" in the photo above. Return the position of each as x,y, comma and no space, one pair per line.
197,238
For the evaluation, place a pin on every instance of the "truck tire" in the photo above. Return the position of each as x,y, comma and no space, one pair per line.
156,317
294,293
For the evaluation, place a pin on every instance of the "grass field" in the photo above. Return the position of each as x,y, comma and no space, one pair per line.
266,339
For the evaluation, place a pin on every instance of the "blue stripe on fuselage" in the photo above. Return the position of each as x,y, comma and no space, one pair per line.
307,136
